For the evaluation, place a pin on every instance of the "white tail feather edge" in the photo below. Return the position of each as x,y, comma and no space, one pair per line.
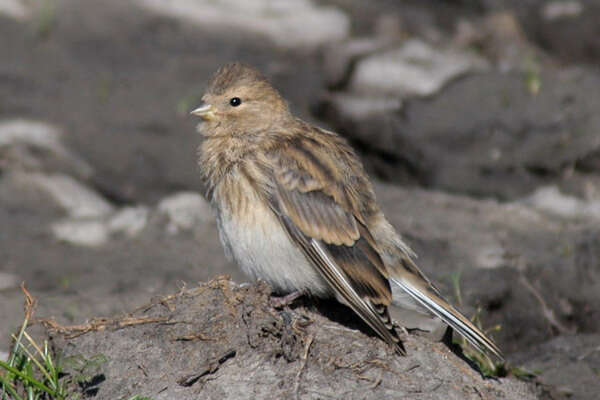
471,333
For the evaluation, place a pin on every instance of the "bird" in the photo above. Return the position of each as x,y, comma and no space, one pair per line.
295,208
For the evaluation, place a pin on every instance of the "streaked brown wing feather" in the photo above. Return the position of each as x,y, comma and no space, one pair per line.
374,313
311,192
304,198
316,216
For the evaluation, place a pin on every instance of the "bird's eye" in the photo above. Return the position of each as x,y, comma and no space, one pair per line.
235,101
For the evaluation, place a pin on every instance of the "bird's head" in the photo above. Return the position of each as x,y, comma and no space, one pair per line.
239,101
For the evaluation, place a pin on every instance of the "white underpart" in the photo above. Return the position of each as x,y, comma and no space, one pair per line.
262,249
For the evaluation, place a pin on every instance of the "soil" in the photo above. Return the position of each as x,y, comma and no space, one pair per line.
226,331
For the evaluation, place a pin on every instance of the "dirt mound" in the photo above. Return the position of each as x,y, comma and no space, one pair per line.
221,340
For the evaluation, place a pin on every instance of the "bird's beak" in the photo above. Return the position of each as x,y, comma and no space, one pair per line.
205,111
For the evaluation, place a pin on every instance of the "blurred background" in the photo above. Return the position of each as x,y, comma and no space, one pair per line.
478,119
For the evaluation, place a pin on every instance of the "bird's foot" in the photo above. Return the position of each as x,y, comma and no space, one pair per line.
284,301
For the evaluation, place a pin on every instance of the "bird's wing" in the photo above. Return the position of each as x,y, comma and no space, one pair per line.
316,211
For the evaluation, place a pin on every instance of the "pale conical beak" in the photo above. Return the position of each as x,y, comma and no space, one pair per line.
205,111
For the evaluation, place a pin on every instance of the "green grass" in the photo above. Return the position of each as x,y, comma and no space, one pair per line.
35,372
487,366
45,18
533,80
31,372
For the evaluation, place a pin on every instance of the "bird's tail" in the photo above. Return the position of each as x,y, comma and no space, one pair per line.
421,292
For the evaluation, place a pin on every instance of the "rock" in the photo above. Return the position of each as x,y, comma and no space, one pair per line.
237,346
184,211
490,256
92,220
129,220
500,139
359,106
82,232
568,30
4,355
561,9
413,69
293,23
551,200
77,200
381,73
339,59
27,145
95,232
13,8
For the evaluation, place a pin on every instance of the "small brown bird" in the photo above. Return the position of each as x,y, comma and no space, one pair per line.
295,208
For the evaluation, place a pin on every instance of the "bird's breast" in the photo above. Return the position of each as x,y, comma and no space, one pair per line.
253,236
